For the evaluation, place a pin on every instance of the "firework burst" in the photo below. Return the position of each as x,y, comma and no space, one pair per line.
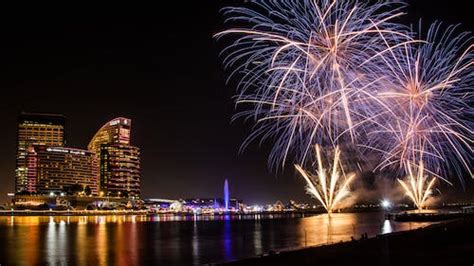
334,72
306,67
417,186
427,105
327,187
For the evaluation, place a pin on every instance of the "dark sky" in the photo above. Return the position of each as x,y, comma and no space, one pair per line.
159,66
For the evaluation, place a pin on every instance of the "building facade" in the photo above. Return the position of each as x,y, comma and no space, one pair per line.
120,170
35,129
119,161
116,131
61,170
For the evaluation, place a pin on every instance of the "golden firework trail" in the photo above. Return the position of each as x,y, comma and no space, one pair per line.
327,187
417,186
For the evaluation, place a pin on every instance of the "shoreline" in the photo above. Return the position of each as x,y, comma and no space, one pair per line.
137,212
70,212
401,216
430,242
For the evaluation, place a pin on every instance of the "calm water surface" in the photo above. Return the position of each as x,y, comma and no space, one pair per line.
173,240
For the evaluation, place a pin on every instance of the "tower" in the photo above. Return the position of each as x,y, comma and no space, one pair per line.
119,161
35,129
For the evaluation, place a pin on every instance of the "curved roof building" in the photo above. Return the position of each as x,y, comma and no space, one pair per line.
116,131
119,161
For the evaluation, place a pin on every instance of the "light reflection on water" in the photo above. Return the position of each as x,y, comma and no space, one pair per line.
171,240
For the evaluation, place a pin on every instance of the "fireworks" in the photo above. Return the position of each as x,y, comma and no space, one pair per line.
426,104
334,72
417,186
306,68
327,187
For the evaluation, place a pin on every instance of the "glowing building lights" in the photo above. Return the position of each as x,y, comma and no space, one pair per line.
35,129
119,162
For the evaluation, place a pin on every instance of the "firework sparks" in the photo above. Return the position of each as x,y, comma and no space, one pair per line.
334,72
305,67
417,186
427,104
327,188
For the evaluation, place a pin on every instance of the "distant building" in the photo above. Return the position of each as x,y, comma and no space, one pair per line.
119,161
61,170
35,129
212,203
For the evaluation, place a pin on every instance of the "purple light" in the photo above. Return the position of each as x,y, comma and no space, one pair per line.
226,195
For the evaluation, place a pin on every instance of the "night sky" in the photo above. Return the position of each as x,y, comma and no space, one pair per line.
159,66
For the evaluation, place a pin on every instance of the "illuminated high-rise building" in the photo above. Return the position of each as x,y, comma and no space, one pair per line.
60,169
35,129
120,170
116,131
119,161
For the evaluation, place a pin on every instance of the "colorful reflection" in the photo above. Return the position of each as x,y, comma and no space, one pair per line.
168,239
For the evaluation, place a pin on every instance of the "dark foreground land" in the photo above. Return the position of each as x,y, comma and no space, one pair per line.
449,243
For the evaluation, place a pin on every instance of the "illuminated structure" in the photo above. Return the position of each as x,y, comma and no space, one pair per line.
116,131
119,161
226,194
212,203
35,129
120,170
61,170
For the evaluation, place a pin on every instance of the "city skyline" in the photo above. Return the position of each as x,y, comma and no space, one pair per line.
184,132
45,165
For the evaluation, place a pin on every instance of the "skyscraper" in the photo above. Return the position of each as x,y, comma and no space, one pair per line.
119,161
120,170
35,129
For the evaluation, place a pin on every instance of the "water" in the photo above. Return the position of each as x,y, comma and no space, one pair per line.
174,240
